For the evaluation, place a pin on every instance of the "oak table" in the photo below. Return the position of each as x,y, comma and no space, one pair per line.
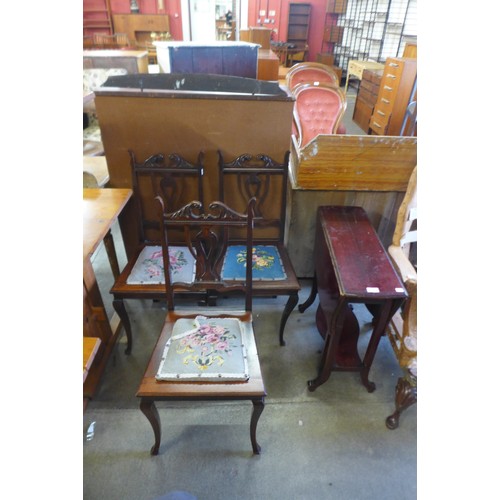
152,390
351,266
101,208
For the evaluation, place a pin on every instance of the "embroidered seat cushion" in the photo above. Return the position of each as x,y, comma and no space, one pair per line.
148,268
267,263
204,349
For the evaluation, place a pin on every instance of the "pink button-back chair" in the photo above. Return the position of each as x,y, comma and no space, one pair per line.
318,109
310,72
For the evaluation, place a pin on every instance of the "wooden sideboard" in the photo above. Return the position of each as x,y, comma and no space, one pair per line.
396,88
138,27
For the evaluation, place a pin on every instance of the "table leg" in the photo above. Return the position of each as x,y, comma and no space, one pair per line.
312,296
330,348
379,327
109,244
148,407
289,307
258,408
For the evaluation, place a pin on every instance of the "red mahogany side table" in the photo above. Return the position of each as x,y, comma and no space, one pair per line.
351,266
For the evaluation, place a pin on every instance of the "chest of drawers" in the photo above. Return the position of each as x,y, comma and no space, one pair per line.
394,94
366,98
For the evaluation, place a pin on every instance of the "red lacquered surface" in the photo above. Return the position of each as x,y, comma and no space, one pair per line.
360,262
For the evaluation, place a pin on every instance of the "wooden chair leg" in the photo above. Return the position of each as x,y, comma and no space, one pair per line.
119,307
289,307
406,395
258,408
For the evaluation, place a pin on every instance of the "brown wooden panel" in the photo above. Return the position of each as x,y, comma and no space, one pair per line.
353,163
150,125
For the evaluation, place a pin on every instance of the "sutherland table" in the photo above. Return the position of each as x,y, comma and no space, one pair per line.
351,266
101,208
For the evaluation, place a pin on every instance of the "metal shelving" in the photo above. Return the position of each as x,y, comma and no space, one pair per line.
371,30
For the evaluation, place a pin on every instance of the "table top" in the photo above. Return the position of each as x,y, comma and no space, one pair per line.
365,64
361,264
101,207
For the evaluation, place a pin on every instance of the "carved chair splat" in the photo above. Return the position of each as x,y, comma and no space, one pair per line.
177,181
266,180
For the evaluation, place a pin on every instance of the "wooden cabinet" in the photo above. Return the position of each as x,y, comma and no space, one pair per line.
262,36
367,98
138,27
298,23
396,88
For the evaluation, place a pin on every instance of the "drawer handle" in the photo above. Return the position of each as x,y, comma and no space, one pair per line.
385,101
377,124
386,87
380,112
390,75
393,65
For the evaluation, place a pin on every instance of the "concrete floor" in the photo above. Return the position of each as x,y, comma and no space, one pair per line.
327,444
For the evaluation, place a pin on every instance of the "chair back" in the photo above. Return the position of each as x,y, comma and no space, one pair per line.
262,178
310,72
206,236
174,179
318,109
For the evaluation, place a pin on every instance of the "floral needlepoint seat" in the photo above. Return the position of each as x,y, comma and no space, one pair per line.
267,263
148,268
208,349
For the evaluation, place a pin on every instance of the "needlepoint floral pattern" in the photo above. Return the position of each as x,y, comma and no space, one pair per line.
266,263
208,349
149,266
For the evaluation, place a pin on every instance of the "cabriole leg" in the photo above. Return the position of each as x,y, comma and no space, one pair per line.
148,407
258,408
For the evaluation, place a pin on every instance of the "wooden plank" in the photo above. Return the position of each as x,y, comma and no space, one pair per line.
355,163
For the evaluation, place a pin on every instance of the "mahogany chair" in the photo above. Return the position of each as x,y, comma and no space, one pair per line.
318,109
177,181
266,180
402,329
205,355
310,72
